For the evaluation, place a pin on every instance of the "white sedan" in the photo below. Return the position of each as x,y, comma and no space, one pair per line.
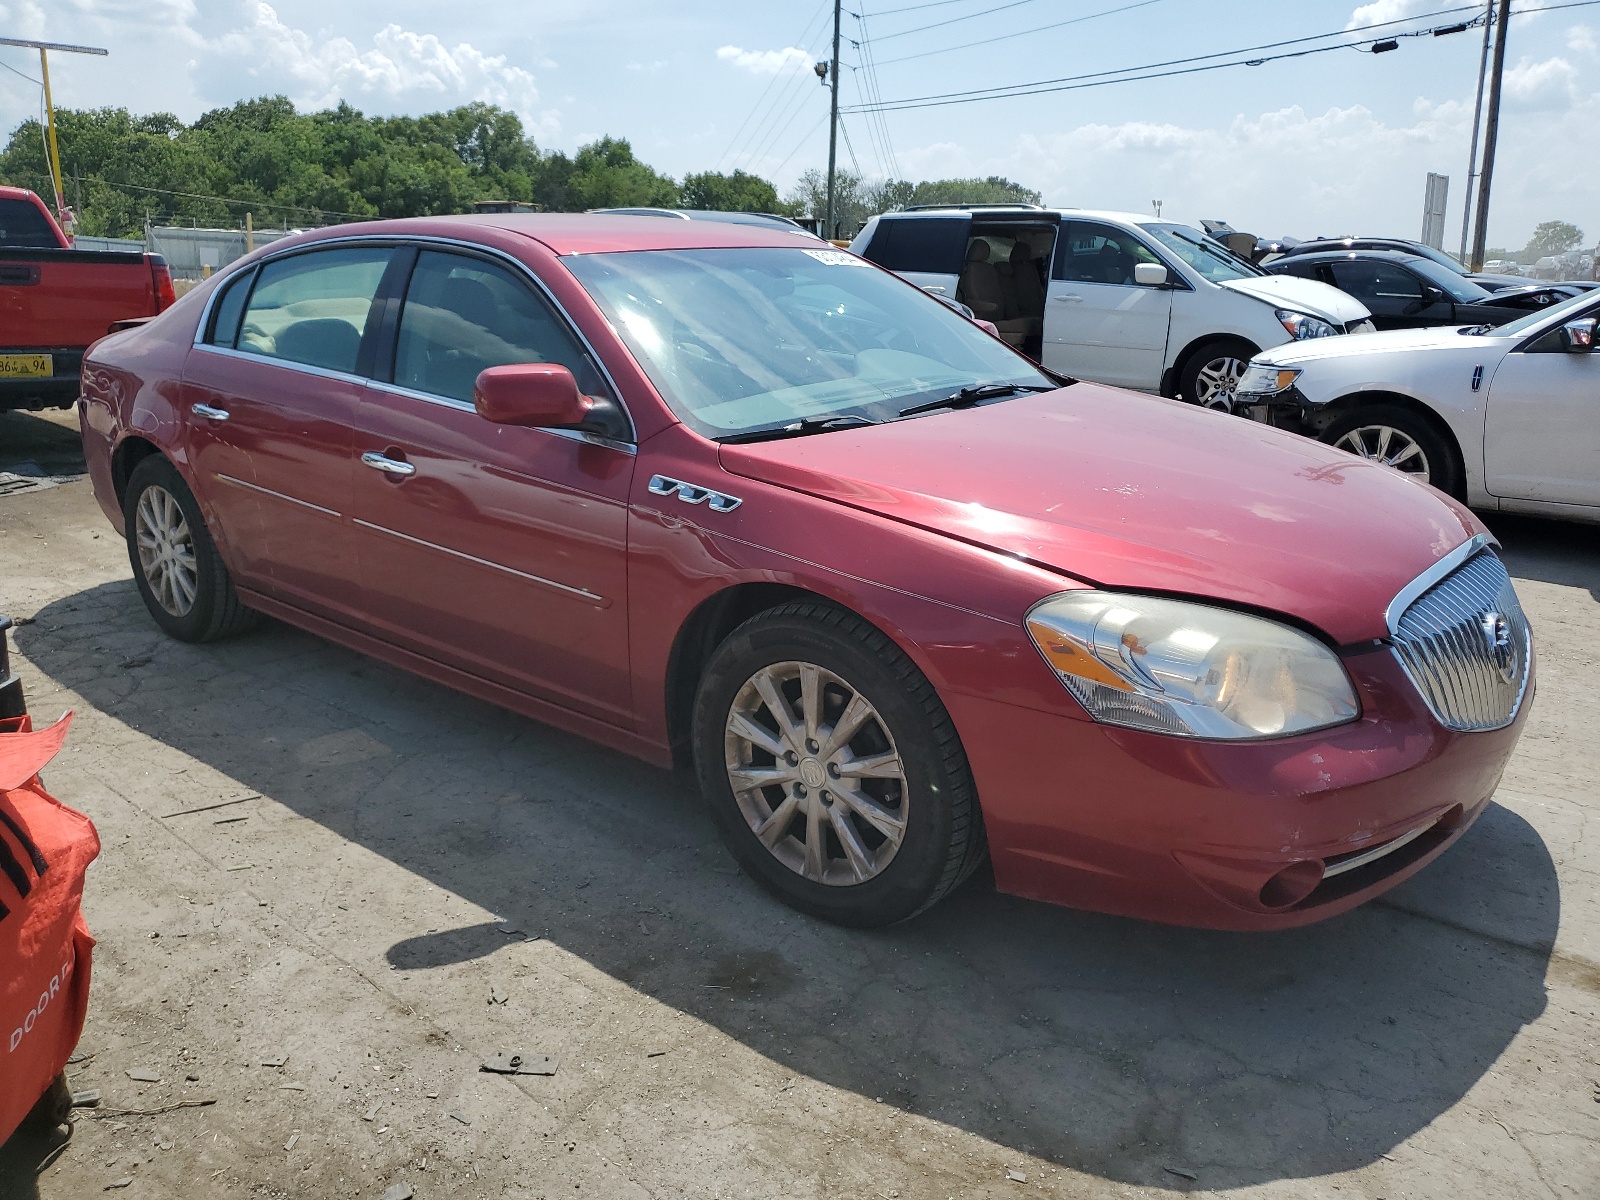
1505,418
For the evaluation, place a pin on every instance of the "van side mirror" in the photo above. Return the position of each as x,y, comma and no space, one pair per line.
543,396
1149,274
1577,337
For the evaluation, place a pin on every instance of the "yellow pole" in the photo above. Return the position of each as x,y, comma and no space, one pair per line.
55,153
249,232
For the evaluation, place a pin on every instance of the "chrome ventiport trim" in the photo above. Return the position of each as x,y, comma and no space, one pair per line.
1405,596
581,593
691,493
1377,852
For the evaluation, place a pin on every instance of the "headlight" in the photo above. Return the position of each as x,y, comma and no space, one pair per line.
1189,669
1303,325
1262,380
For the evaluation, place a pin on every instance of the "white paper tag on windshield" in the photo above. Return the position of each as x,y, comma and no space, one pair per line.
838,258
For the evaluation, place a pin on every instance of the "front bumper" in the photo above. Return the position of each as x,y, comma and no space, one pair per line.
1226,835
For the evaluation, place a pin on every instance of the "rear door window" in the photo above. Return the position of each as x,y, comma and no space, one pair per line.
464,314
1382,287
313,308
936,245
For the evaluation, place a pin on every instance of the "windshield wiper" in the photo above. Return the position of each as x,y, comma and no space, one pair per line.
969,396
798,428
1474,330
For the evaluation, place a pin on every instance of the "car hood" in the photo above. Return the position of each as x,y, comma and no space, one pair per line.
1438,337
1121,490
1305,295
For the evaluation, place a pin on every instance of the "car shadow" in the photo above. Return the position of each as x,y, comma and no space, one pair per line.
1103,1044
1563,552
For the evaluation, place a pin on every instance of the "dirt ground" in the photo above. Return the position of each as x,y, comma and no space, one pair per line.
314,860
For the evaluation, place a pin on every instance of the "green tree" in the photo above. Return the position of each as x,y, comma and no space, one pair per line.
739,192
1552,237
605,174
996,189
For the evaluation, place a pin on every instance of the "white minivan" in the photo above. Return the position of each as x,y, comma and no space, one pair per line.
1111,297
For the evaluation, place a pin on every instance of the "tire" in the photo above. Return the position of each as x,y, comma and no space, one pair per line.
1412,445
930,805
184,585
53,1109
1215,363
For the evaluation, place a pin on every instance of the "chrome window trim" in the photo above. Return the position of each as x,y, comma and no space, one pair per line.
577,435
1406,595
581,593
287,363
402,240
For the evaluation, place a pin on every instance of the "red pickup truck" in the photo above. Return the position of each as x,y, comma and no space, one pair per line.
55,301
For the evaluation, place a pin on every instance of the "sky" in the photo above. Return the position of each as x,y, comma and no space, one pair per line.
1327,143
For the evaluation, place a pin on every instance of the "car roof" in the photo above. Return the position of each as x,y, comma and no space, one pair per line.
1029,210
1397,256
584,233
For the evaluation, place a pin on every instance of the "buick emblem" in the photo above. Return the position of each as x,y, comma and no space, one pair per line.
1497,637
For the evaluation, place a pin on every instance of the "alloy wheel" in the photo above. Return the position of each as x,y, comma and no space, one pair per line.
816,773
1216,383
166,550
1387,445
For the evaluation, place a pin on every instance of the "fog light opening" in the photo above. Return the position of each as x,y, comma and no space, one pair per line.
1291,885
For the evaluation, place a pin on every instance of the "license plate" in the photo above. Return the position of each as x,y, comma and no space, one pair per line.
26,366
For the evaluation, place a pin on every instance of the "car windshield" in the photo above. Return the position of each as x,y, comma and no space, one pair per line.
1552,316
739,340
1457,287
1205,255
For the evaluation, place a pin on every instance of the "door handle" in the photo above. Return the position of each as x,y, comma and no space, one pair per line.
1068,299
209,413
389,466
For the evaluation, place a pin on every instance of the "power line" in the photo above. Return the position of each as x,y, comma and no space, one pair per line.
38,83
953,20
805,33
1006,37
252,204
1157,71
889,12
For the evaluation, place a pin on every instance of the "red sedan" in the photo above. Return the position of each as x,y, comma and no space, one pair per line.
717,495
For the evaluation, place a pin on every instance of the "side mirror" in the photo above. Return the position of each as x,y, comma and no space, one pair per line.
1149,274
1578,336
539,395
1433,294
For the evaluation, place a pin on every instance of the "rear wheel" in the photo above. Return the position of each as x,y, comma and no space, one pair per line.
832,769
1211,376
1398,438
175,563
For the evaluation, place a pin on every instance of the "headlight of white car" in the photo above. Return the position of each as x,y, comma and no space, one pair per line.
1303,325
1260,379
1169,666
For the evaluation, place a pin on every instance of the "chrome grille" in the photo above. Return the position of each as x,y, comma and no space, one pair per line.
1467,646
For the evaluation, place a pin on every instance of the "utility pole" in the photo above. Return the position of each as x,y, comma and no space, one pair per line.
54,155
1491,134
833,124
1477,120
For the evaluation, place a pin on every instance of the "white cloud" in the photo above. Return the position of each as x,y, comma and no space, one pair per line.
1387,10
401,63
1540,85
1580,38
767,62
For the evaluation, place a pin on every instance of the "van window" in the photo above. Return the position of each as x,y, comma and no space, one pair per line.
1094,253
934,244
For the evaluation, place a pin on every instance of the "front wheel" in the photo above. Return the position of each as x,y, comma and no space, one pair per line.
1398,438
832,769
1211,376
176,567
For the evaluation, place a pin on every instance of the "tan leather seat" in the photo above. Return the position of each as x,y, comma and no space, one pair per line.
980,290
1025,280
